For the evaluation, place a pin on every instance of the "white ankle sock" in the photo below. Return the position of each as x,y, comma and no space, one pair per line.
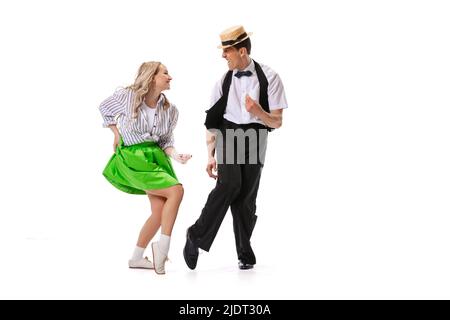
138,253
164,243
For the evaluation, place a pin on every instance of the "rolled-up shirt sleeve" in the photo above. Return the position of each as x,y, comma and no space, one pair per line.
277,97
167,140
112,107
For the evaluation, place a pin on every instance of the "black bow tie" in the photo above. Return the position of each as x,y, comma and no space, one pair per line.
247,73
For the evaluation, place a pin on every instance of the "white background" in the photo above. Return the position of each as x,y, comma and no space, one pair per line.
354,200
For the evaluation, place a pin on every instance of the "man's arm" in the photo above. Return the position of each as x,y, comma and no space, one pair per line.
210,143
211,146
274,119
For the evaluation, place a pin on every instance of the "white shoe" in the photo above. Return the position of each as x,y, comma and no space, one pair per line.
159,258
142,263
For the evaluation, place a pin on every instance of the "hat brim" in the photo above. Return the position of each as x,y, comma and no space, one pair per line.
228,46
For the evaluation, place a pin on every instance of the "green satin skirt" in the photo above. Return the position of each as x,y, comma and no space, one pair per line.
136,168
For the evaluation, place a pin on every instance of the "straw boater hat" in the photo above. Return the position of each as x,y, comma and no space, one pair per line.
233,36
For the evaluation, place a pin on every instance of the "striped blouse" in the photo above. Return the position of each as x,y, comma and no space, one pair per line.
116,110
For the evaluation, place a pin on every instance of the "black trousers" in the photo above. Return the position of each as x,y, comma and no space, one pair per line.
236,188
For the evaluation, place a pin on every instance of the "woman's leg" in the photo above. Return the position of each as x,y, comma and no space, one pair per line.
173,196
153,223
160,249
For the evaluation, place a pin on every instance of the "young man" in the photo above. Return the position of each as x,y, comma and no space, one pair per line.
246,103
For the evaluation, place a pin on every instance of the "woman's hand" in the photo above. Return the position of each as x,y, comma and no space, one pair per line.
211,167
181,157
116,142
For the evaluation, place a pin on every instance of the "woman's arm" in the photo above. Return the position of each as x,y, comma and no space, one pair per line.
181,158
170,151
113,106
114,129
167,141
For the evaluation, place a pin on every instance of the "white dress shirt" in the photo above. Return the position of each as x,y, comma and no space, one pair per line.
240,87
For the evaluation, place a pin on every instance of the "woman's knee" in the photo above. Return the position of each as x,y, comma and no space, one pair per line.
177,191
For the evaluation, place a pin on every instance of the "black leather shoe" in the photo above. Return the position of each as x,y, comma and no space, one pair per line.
190,252
245,266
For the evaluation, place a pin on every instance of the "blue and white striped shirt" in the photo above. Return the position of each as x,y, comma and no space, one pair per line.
117,110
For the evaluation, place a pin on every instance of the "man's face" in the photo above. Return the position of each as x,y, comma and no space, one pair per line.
234,58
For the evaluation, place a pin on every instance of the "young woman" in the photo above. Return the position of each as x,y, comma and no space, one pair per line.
142,120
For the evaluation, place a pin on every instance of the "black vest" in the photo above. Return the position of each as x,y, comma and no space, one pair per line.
214,116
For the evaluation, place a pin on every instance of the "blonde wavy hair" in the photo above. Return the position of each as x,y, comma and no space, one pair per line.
143,85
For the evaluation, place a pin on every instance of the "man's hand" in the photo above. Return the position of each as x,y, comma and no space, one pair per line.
272,119
252,106
211,167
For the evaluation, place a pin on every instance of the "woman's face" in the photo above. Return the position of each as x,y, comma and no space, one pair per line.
162,79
